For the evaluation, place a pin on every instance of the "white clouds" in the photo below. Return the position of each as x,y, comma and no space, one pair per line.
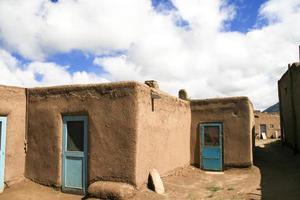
204,59
38,27
40,73
275,10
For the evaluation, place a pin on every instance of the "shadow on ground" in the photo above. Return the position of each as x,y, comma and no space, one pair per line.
280,171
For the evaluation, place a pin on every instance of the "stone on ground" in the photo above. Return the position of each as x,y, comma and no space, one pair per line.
155,183
111,190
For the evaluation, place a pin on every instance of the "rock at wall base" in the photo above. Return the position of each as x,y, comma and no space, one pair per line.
110,190
155,183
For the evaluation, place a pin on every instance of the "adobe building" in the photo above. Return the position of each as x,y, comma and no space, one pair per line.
12,134
268,124
69,137
289,102
233,118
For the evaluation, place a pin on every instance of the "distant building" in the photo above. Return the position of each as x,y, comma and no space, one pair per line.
289,102
268,124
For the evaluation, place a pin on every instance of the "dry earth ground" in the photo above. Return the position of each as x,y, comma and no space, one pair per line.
275,175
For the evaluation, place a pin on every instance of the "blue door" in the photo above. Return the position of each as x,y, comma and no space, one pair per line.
74,154
211,146
2,151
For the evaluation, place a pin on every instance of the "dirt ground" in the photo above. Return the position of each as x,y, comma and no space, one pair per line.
275,175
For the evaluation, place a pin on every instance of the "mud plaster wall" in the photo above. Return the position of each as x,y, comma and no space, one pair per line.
236,114
272,122
13,106
163,135
296,95
286,109
289,86
111,111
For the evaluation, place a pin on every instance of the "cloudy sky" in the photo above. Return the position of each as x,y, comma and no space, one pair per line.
212,48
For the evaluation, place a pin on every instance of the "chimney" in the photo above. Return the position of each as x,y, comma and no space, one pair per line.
152,83
182,94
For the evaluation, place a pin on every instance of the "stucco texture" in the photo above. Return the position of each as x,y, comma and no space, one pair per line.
13,106
236,114
289,99
111,110
163,133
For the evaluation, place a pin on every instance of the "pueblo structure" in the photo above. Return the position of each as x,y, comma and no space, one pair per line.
289,102
72,136
267,124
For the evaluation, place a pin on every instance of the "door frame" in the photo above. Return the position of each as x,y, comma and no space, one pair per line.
3,121
67,118
221,140
260,130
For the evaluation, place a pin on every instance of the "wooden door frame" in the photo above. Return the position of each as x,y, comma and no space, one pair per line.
3,121
221,140
67,118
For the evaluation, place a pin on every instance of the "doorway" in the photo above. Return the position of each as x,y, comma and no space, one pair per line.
74,154
211,135
2,151
263,131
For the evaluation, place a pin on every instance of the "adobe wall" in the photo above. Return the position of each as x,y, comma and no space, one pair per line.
13,106
236,114
272,122
111,109
289,94
163,134
296,95
286,110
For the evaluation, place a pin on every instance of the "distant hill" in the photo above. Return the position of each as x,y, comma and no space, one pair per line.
274,108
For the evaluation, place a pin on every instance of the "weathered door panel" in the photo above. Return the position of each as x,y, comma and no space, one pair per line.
211,146
74,157
2,151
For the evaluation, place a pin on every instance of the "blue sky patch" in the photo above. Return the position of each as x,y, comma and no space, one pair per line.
161,5
165,6
38,77
79,61
21,60
246,15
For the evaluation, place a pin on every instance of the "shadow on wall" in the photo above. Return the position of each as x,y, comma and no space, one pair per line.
280,171
196,149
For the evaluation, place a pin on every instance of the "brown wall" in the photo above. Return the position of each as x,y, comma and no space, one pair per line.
163,134
289,95
296,96
236,114
13,106
272,122
111,110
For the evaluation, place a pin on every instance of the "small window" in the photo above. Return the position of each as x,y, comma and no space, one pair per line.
285,90
256,116
271,126
75,135
211,136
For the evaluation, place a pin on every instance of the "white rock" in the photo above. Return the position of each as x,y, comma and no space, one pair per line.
155,183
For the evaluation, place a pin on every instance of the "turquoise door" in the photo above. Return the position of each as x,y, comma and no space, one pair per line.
2,150
211,146
74,154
